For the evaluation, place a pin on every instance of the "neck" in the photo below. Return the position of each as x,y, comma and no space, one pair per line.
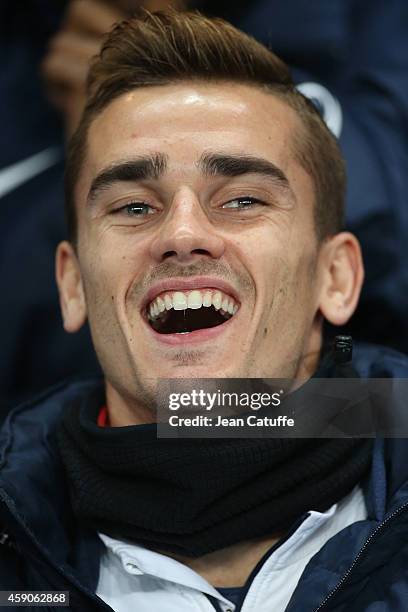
122,410
230,566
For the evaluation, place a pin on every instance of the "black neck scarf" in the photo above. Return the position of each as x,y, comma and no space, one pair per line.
194,496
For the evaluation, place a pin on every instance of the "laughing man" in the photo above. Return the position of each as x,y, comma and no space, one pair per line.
205,202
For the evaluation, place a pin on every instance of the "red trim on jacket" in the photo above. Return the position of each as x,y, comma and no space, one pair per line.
103,417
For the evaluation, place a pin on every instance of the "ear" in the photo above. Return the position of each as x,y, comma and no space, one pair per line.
343,275
70,287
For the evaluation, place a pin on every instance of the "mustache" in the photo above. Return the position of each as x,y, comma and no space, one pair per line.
168,269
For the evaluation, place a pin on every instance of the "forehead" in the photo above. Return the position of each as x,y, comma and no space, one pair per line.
185,120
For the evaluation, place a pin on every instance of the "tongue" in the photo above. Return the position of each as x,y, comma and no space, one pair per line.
181,321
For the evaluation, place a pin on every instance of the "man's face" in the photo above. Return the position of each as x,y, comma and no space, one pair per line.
191,195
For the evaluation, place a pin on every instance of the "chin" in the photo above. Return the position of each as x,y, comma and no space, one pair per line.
194,366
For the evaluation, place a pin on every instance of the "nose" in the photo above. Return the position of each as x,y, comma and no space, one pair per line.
186,232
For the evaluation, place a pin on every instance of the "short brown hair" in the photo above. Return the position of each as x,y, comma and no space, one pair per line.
162,48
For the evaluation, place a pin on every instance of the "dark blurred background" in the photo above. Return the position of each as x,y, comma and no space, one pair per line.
349,56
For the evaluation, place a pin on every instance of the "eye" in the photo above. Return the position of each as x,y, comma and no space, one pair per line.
135,209
243,203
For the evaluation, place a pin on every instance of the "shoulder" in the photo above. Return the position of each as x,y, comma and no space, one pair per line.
375,361
50,404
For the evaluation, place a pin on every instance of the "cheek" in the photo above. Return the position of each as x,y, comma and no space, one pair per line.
112,276
285,271
293,305
112,259
268,255
103,276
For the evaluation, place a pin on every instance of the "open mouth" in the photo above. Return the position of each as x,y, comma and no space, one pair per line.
182,312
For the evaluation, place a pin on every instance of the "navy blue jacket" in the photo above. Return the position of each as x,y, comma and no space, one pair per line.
364,568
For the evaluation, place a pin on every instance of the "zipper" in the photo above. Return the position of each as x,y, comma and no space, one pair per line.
360,554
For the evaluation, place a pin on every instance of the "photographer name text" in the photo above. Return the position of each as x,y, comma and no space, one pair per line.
250,421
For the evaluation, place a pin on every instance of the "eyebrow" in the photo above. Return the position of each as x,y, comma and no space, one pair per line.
137,169
213,164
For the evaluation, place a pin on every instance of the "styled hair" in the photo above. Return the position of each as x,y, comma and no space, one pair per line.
168,47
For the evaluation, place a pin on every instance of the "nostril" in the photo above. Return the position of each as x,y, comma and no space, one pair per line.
200,251
169,254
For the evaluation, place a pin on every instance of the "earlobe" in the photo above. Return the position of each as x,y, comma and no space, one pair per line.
70,287
343,275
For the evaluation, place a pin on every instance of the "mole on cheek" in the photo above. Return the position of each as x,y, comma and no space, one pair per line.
265,331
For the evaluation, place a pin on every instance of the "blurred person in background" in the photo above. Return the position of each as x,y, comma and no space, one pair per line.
350,57
33,350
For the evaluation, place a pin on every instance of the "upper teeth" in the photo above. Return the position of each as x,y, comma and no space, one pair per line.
181,300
